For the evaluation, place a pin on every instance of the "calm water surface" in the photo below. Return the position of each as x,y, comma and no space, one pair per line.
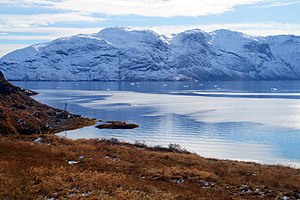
250,121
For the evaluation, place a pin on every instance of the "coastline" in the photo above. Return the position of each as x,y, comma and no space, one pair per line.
81,136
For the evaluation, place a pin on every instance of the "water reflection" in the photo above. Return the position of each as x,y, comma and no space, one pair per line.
257,124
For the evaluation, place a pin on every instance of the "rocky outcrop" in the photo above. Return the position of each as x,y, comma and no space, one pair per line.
20,114
116,125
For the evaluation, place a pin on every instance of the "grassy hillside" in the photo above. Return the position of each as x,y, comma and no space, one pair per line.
59,168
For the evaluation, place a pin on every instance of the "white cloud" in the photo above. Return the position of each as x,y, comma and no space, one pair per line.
260,29
51,33
153,8
27,3
44,19
42,33
276,3
48,30
25,37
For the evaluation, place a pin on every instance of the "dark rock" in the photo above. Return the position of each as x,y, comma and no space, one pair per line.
51,112
62,115
29,92
6,89
19,106
112,141
246,189
116,125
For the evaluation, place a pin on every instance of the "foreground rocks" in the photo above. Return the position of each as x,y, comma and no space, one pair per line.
20,114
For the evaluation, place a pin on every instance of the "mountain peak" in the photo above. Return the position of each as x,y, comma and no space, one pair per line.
123,53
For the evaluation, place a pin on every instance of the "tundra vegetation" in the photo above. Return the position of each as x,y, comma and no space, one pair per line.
46,166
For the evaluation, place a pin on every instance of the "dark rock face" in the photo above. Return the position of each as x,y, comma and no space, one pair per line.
1,77
5,87
20,114
116,125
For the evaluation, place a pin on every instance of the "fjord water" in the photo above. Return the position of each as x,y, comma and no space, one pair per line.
250,121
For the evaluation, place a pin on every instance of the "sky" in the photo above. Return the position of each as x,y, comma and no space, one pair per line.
27,22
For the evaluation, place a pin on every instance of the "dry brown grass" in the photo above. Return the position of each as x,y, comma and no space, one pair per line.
112,170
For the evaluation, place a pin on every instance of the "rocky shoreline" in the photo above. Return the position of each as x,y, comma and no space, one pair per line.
20,114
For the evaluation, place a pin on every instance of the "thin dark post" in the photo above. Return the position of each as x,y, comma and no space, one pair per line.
65,109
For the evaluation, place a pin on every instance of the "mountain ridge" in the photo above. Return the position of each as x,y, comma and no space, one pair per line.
124,54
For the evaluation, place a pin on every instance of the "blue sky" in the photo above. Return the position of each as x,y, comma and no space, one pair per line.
26,22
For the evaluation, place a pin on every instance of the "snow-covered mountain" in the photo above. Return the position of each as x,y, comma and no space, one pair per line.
125,54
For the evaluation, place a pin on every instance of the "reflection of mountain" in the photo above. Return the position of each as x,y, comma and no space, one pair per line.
124,54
